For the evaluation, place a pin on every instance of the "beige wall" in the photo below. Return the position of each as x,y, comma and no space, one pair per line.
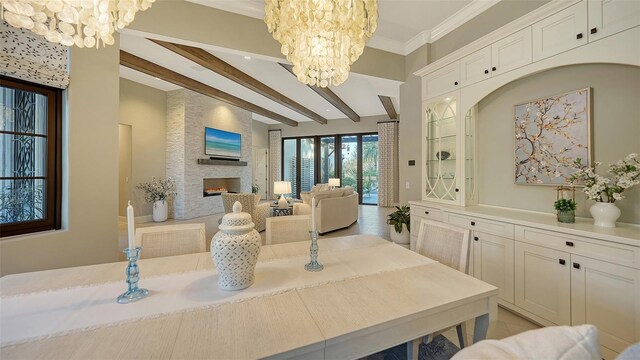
175,19
616,132
493,18
125,187
410,126
260,134
90,176
145,109
337,126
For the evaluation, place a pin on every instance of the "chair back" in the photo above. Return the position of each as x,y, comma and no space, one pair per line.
247,200
286,229
444,243
170,240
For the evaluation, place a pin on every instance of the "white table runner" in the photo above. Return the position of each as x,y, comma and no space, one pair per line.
39,315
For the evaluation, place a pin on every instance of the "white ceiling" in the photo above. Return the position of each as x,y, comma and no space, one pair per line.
403,25
359,92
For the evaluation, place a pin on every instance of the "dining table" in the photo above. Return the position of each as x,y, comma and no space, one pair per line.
371,295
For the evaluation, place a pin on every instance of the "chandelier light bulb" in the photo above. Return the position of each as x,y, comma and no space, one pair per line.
83,23
321,38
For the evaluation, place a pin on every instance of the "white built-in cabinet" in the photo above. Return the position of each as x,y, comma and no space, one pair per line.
511,52
560,32
548,273
608,17
442,81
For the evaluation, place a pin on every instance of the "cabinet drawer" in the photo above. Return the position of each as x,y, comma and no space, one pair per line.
597,249
483,225
426,212
560,32
442,81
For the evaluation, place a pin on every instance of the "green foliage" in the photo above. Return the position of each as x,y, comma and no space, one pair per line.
22,202
399,217
255,188
565,205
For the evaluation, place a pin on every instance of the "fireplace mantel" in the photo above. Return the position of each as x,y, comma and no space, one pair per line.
221,162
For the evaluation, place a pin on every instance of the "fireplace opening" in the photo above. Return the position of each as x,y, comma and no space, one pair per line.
218,186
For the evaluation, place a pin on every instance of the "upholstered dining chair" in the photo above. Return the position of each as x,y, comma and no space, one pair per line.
170,240
286,229
251,205
449,245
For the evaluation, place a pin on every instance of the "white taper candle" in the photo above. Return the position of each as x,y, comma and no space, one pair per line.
313,214
130,226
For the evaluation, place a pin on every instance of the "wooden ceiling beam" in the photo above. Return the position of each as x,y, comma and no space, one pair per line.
219,66
388,106
330,96
136,63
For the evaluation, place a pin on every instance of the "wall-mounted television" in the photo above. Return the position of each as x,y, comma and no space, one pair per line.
220,143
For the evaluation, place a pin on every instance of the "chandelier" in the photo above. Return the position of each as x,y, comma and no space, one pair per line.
321,38
84,23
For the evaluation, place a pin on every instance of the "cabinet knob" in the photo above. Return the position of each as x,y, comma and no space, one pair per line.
473,223
475,238
494,68
426,213
457,190
594,30
569,243
486,71
455,83
576,266
562,261
579,36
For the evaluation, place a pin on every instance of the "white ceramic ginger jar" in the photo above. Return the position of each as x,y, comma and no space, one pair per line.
235,249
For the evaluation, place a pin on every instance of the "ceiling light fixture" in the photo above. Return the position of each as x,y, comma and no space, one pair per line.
321,38
84,23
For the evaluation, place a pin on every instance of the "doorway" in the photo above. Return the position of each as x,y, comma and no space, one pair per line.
359,165
261,171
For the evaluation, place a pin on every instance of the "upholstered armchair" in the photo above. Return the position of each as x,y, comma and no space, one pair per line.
251,205
171,240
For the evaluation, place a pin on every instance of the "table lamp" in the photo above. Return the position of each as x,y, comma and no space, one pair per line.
334,182
282,187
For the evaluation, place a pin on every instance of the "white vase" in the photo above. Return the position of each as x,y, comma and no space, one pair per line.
604,214
160,211
401,238
235,249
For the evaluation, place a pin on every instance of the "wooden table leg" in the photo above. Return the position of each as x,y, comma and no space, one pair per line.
413,348
480,328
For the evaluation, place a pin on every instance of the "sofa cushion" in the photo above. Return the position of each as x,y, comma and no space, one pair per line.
306,197
556,342
348,190
320,195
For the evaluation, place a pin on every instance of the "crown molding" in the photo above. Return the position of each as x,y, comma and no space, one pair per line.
386,44
518,24
475,8
416,42
246,8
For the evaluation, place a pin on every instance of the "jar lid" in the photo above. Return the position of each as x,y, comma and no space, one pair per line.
237,222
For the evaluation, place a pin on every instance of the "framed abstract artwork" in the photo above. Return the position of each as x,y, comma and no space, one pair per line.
550,134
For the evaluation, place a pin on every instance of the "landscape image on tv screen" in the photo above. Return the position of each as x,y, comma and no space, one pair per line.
222,143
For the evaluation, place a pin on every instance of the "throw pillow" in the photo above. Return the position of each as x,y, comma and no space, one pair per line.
306,197
348,190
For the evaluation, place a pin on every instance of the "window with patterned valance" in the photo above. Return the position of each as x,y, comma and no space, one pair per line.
30,57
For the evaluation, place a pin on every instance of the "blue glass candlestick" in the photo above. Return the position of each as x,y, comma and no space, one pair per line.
133,275
314,265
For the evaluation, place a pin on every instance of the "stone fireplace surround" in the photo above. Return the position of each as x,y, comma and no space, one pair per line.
188,113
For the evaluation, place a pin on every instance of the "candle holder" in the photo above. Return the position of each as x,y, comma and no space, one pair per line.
314,265
133,293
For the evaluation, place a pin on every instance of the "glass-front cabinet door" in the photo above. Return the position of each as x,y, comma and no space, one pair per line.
448,152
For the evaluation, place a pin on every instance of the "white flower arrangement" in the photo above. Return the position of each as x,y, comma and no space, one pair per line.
158,189
601,189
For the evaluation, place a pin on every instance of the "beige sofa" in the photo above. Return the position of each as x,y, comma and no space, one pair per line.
335,209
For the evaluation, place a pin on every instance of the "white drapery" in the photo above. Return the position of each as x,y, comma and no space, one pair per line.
275,158
388,169
30,57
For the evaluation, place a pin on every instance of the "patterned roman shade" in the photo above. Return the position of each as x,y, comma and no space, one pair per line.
388,168
30,57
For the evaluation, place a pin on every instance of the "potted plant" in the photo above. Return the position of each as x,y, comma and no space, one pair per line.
606,191
158,192
566,210
255,188
399,222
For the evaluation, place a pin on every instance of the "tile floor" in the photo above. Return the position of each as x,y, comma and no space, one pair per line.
371,220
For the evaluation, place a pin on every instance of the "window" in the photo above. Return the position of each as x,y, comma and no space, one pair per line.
30,157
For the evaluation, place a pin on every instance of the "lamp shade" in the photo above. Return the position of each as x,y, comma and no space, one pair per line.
282,187
334,182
